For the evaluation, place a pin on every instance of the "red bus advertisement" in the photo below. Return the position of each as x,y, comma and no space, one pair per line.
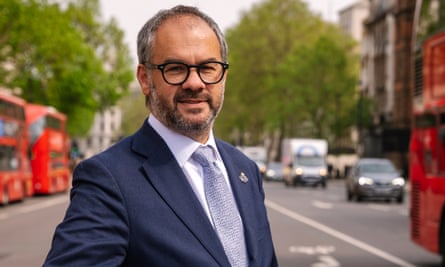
49,146
427,145
15,171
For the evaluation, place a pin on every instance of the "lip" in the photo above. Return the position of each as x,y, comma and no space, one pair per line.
193,103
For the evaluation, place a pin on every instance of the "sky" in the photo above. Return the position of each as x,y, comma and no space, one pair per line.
132,14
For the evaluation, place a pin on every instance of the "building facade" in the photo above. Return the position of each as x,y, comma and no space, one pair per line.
104,131
386,79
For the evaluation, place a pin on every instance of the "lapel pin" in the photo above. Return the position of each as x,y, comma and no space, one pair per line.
243,177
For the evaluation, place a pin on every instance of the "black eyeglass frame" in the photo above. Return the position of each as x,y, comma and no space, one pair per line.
161,67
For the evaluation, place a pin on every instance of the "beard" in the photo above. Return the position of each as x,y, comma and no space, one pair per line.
169,114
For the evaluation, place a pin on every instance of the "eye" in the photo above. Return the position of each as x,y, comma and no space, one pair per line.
208,68
174,68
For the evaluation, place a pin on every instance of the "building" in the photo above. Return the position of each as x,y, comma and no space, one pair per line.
385,78
352,17
104,131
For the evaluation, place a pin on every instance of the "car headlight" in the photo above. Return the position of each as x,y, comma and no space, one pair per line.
298,171
365,181
323,172
270,172
398,181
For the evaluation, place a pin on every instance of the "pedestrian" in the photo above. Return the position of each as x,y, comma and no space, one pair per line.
171,194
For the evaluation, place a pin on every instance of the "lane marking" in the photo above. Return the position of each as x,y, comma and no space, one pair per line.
322,205
337,234
326,261
308,250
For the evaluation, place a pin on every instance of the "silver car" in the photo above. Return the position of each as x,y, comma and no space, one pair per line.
375,178
274,171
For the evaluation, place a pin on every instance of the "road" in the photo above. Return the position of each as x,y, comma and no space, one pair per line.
320,228
311,227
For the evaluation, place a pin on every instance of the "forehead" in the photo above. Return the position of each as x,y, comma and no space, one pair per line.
185,35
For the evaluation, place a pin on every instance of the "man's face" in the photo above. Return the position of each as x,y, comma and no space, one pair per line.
191,107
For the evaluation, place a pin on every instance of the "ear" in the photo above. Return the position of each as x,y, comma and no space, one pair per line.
143,80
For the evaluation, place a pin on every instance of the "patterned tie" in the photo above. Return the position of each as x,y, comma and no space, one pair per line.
223,208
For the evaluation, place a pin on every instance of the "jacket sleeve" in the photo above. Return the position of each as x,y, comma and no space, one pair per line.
94,231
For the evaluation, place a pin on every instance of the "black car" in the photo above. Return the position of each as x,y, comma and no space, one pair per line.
375,178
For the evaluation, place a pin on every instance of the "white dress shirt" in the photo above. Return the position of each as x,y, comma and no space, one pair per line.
182,148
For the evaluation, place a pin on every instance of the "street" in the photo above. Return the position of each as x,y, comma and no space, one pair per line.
318,228
311,227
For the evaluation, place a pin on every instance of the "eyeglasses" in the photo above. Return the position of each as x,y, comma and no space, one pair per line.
175,73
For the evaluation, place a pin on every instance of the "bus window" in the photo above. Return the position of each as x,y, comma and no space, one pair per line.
8,160
36,129
426,124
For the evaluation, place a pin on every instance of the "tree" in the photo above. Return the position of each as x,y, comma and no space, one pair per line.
63,57
288,68
134,111
319,82
261,40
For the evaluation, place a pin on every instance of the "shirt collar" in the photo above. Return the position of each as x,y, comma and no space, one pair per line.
181,146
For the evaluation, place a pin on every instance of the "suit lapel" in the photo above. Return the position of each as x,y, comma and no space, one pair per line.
167,177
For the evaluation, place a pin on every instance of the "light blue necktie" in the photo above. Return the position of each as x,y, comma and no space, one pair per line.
223,208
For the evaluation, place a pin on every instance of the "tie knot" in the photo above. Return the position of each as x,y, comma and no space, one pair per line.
203,155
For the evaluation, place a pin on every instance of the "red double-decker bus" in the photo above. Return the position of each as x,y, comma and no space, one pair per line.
49,146
427,147
15,172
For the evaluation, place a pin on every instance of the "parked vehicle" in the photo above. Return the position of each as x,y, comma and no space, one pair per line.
274,171
374,178
15,170
305,160
49,147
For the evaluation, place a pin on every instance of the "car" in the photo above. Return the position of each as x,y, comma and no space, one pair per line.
274,171
374,178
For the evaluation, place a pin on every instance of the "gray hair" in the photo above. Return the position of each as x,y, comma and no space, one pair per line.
146,35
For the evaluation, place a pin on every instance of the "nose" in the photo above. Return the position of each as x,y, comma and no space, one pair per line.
193,80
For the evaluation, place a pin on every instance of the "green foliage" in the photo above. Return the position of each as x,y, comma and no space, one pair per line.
63,57
319,88
134,112
289,71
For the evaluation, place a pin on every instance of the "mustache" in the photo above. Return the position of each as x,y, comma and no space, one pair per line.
191,94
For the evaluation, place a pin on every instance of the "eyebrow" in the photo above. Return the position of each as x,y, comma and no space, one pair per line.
175,60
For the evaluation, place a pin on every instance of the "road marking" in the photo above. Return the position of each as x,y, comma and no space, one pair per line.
326,261
337,234
312,250
35,207
322,205
404,212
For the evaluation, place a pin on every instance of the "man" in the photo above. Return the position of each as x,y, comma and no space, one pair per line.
144,201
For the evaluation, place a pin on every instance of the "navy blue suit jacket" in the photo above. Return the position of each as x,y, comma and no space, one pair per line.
132,205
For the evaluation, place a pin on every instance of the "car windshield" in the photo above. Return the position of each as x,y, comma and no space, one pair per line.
310,161
274,166
378,167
